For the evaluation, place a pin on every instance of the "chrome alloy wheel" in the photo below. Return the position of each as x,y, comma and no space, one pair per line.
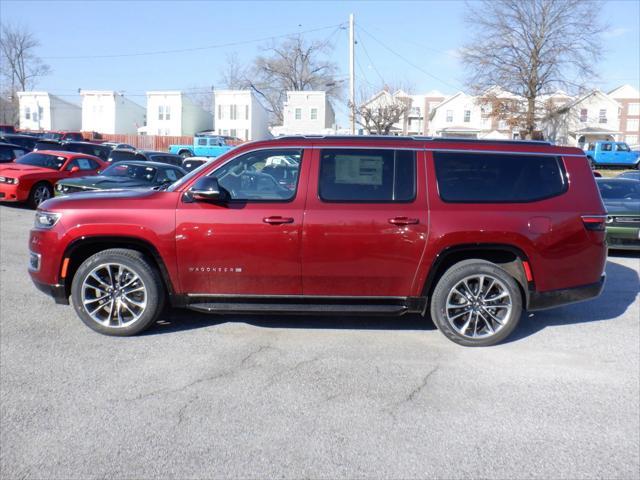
478,306
41,194
114,295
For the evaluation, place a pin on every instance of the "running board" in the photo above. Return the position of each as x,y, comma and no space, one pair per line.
303,308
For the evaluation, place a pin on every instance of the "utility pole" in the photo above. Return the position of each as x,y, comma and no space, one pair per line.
352,79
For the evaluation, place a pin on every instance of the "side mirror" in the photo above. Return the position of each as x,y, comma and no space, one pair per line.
75,169
207,189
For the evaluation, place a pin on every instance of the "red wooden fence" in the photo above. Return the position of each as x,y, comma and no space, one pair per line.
143,142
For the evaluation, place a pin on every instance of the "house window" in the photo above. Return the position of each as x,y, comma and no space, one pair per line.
298,114
233,132
27,113
233,114
246,112
415,111
34,116
449,116
246,134
167,112
584,113
160,112
219,113
467,116
314,114
634,109
633,125
502,125
602,117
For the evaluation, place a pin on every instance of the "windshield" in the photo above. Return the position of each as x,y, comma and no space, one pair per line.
620,190
42,160
138,172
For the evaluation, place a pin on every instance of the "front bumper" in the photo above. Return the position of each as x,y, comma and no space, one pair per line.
565,296
58,292
623,238
10,193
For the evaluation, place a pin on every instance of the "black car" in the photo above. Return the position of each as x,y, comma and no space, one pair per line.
28,142
123,175
119,155
95,149
9,152
193,162
47,144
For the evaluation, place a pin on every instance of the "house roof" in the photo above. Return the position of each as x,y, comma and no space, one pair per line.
583,97
445,101
624,91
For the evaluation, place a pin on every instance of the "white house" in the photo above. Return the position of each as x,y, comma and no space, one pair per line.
43,111
460,115
307,112
107,111
174,113
590,117
238,113
629,99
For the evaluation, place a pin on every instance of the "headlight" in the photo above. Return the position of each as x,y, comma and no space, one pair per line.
46,219
10,181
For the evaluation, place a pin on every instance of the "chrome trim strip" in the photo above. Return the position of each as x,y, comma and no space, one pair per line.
294,297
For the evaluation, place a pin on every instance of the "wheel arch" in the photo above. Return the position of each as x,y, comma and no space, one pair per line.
508,257
82,248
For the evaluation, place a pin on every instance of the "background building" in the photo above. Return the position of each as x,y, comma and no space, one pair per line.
629,100
307,112
238,113
106,111
172,113
42,111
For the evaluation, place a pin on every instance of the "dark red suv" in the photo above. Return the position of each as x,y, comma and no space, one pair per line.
471,231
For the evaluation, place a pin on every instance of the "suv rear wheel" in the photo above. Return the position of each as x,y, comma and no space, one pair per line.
476,303
117,292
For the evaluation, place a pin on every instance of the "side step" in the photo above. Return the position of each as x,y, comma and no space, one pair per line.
302,308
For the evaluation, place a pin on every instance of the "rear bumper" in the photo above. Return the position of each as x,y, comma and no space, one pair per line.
556,298
58,292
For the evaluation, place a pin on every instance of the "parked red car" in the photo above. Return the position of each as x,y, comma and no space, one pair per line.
31,178
473,232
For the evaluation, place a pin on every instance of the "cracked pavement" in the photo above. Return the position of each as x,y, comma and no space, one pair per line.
259,397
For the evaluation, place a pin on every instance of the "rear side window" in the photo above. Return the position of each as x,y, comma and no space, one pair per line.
498,178
367,175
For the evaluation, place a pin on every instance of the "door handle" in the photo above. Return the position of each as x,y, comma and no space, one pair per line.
403,221
277,220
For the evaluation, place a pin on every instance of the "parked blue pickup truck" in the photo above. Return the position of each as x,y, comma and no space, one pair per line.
202,147
603,153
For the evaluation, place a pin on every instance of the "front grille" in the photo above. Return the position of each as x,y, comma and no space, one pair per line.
623,221
624,241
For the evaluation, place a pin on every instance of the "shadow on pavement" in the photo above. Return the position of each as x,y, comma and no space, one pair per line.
620,292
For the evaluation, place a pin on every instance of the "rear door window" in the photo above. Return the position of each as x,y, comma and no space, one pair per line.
367,175
122,155
498,178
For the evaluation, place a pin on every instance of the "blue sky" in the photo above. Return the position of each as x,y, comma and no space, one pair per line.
426,34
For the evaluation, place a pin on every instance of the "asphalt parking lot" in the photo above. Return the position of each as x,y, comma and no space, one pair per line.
301,397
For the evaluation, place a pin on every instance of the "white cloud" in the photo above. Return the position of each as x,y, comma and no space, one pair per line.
615,32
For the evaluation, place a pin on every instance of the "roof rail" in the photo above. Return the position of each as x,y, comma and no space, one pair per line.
413,137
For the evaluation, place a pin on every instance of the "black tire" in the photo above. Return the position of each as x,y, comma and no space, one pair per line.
185,154
444,290
40,192
130,261
592,164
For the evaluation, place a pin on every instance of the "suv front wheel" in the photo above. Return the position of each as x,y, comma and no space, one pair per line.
476,303
117,292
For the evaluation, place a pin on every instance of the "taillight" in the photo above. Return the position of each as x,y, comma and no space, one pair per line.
595,223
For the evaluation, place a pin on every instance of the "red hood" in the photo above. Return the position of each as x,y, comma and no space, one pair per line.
17,169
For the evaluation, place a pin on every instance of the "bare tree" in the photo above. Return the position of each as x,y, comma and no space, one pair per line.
380,112
531,47
20,66
293,64
235,75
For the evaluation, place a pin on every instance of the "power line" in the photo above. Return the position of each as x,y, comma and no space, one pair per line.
409,62
194,49
373,65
